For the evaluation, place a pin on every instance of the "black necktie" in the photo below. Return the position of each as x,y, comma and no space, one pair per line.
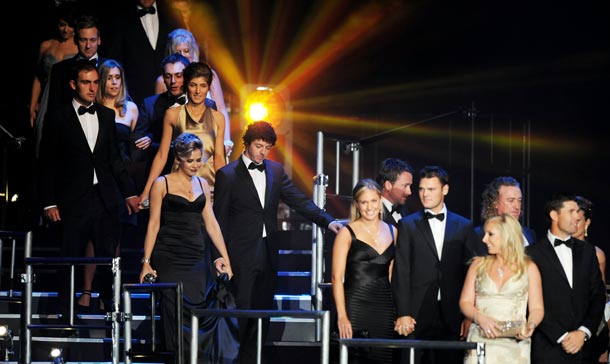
90,110
260,167
181,100
396,208
144,11
569,243
440,216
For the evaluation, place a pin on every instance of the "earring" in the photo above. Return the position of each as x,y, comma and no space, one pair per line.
586,232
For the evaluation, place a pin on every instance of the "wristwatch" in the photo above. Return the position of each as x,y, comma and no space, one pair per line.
145,260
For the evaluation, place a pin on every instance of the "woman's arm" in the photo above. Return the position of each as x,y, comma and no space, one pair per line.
340,249
213,229
468,301
219,146
154,221
171,115
535,303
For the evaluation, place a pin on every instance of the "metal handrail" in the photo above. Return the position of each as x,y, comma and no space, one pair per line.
259,315
152,287
412,344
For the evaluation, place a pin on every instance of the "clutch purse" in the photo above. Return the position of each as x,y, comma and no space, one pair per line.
510,328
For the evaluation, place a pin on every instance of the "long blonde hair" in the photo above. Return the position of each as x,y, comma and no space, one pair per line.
512,244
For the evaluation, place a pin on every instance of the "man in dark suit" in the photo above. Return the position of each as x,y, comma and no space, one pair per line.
82,172
433,250
501,196
246,197
137,39
395,178
87,38
572,287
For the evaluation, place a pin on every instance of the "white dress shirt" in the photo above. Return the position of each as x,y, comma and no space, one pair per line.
260,182
150,22
91,127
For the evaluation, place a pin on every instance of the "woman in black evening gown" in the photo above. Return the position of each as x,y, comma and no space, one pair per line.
363,255
175,244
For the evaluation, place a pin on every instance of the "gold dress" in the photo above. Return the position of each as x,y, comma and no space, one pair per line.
207,133
509,303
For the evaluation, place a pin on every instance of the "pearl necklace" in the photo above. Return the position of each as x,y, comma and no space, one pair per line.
375,236
500,272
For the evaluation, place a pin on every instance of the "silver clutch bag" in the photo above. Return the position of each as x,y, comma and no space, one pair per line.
510,328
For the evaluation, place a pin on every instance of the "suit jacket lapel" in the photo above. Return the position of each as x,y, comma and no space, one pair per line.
242,174
424,229
554,261
269,187
78,128
577,262
450,230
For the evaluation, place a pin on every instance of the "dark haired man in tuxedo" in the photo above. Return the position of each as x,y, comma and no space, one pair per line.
82,174
247,193
572,287
395,178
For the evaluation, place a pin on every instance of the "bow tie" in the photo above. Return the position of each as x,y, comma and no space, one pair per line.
396,208
181,100
430,215
90,110
569,243
260,167
143,11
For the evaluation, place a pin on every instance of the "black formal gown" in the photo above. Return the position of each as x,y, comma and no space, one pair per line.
368,298
181,255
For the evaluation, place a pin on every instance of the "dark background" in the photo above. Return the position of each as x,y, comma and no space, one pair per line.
536,73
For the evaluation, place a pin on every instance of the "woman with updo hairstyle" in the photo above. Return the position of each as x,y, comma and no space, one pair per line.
176,248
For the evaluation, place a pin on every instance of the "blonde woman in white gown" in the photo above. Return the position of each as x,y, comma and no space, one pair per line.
502,295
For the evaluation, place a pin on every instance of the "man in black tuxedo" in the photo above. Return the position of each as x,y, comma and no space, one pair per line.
432,253
246,197
87,38
501,196
395,178
138,35
82,173
572,287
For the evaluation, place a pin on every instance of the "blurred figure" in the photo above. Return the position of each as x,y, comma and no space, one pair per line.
363,254
502,287
501,196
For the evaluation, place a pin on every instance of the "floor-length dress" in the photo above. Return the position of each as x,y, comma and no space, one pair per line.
509,303
368,298
181,255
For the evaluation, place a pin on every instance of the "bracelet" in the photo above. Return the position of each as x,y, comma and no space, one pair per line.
145,260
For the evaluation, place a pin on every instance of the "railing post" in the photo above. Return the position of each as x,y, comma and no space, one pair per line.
116,314
194,338
127,326
26,318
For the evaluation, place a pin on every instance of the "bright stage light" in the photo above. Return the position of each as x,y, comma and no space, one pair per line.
265,103
56,355
6,342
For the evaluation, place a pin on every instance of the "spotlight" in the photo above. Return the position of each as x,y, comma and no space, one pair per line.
56,356
6,341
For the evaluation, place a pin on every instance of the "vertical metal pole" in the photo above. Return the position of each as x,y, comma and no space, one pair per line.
412,356
337,166
12,281
472,115
72,292
355,149
153,320
194,338
259,340
116,297
324,349
480,353
179,323
317,246
127,326
343,357
26,319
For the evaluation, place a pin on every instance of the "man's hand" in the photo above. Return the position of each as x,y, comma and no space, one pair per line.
52,214
335,226
574,342
133,204
405,325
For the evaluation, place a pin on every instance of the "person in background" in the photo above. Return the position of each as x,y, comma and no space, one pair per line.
586,213
573,291
183,42
501,288
247,194
81,172
195,117
501,196
363,254
175,247
395,177
433,249
50,52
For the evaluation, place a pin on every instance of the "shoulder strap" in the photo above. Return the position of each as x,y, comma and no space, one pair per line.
351,232
391,230
166,185
200,185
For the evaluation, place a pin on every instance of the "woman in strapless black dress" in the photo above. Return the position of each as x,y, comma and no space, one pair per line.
363,255
175,246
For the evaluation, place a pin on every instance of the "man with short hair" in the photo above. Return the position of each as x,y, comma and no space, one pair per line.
395,178
247,193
